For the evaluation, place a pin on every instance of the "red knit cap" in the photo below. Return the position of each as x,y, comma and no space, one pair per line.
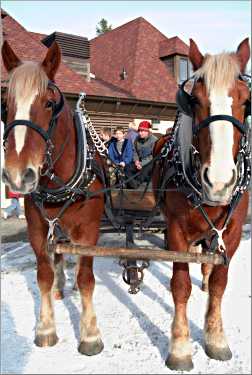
145,125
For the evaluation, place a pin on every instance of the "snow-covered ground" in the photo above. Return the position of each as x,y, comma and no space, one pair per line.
135,328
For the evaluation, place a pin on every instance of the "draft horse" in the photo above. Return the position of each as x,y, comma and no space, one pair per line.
208,166
44,162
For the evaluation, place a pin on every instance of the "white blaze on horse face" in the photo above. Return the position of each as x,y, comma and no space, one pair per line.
221,133
23,113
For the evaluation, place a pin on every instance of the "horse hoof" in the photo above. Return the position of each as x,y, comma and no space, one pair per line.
58,294
91,348
220,354
175,363
75,287
204,287
46,340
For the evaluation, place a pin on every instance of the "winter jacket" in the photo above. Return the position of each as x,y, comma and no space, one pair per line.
126,154
143,149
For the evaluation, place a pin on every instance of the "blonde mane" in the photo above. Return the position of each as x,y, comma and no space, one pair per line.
26,80
219,71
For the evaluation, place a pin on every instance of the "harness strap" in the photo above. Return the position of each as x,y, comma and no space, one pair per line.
203,124
56,107
28,123
55,232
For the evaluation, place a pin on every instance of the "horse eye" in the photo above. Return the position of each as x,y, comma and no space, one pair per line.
49,104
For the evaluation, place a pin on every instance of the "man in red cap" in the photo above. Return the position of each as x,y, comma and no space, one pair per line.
143,149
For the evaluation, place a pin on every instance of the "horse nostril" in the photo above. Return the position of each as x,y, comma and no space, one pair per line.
233,179
5,176
206,179
29,176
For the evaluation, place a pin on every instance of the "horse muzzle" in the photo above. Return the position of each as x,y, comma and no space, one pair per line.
23,183
217,193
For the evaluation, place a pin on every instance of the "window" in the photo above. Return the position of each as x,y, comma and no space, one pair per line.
183,69
190,69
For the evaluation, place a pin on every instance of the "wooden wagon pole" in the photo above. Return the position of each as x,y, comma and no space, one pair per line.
140,254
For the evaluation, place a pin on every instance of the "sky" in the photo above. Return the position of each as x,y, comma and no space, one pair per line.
215,26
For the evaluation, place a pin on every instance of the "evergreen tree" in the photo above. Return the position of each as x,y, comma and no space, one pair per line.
103,27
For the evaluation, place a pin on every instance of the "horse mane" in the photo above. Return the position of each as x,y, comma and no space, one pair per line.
26,80
219,71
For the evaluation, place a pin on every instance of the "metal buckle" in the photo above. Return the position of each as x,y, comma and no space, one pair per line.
50,233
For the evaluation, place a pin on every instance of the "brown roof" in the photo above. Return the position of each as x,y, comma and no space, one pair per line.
27,47
135,47
173,46
37,36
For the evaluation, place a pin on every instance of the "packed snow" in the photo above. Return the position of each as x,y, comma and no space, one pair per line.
135,328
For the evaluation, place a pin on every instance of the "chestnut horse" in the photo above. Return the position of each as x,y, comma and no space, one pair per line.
215,100
30,144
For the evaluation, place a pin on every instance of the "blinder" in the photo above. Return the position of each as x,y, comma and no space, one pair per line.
247,79
247,112
184,98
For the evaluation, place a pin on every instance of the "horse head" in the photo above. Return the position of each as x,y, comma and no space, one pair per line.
219,98
31,104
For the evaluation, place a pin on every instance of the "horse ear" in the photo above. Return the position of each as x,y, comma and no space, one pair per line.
243,54
195,56
10,59
52,61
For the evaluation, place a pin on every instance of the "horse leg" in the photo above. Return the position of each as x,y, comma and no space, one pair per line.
180,356
45,330
90,342
59,277
37,230
216,345
206,270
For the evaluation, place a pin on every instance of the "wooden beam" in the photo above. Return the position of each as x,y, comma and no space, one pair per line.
133,109
162,110
140,254
99,106
148,110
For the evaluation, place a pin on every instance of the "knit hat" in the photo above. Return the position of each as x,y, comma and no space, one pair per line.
145,125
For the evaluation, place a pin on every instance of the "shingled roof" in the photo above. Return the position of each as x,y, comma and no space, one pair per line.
28,47
37,36
135,46
173,46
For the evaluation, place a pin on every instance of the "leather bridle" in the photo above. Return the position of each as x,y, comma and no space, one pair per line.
45,134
